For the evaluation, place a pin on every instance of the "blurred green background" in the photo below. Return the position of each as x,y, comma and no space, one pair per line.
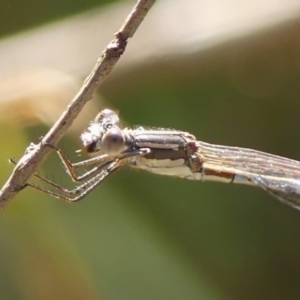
142,236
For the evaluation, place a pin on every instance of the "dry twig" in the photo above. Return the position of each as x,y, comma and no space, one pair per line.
36,154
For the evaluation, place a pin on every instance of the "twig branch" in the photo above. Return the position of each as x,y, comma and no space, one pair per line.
36,154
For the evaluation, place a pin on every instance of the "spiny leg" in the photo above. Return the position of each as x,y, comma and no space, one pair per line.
80,191
101,169
80,164
70,167
88,175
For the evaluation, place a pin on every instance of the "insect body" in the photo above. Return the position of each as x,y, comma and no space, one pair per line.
173,153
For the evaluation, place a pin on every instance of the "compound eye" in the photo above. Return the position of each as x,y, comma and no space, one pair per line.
107,116
113,141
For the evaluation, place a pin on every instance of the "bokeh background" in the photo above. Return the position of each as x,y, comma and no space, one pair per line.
226,71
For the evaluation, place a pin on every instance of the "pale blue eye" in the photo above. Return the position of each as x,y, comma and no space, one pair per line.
113,141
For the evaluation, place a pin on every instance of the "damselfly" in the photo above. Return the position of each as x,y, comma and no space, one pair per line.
173,153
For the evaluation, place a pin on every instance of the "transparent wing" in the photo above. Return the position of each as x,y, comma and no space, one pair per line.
277,175
287,193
